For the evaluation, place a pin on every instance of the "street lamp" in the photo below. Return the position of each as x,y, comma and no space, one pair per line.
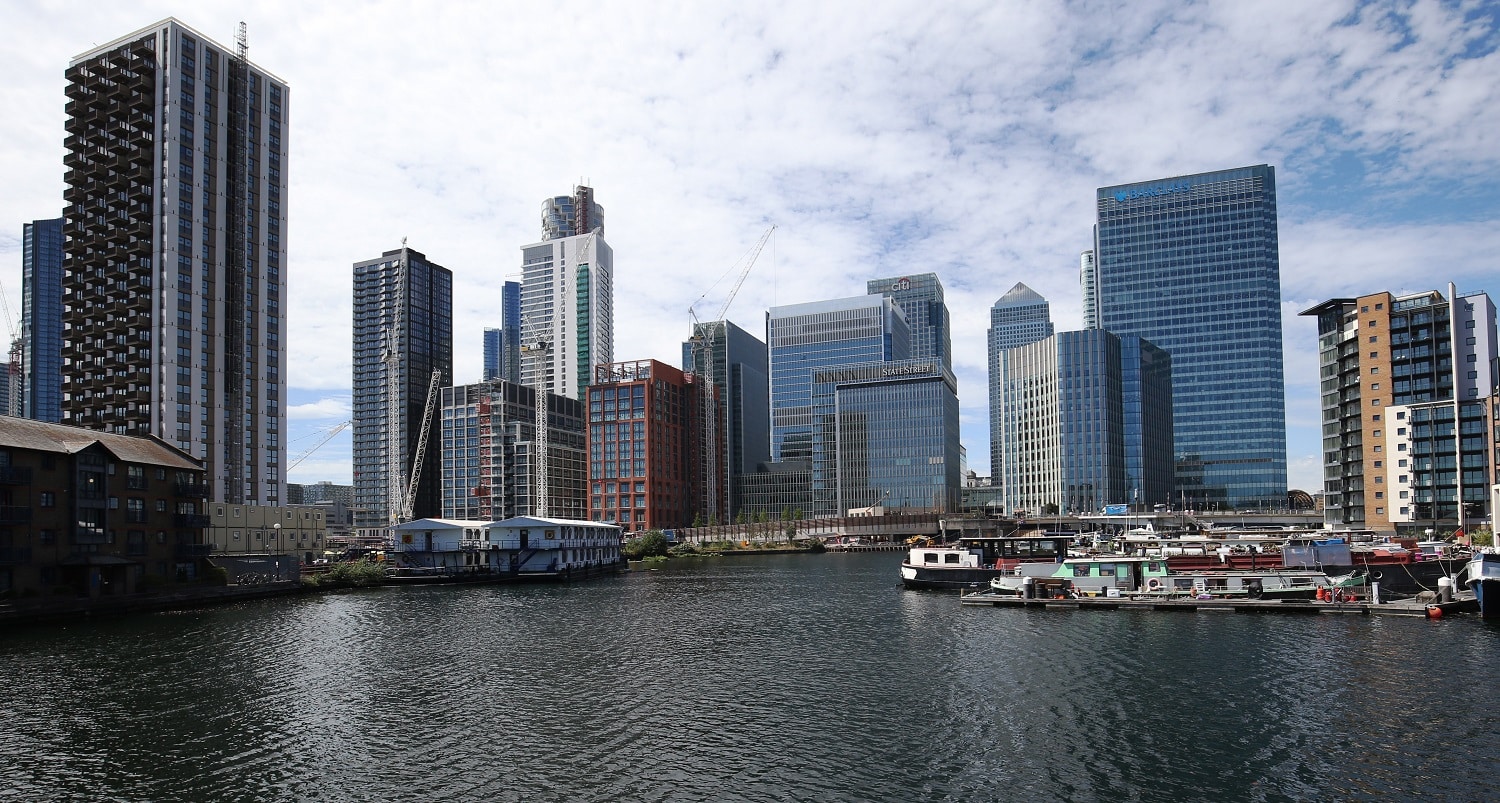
277,528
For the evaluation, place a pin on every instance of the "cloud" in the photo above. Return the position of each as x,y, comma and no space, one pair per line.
961,138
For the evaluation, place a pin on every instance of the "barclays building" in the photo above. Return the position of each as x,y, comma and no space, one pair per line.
1191,264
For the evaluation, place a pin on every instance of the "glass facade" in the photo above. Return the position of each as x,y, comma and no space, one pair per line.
1146,398
1191,263
403,322
739,365
897,436
487,434
40,388
920,297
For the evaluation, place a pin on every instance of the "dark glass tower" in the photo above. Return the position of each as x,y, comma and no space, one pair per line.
41,321
920,297
1191,264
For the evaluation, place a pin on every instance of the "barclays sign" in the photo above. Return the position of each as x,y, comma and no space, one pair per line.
1153,191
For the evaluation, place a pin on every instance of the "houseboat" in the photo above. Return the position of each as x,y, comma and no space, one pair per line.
1483,578
971,562
520,549
1119,575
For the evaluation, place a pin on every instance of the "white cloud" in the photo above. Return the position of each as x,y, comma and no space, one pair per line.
961,138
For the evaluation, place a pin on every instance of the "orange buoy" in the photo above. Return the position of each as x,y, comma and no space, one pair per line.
1434,612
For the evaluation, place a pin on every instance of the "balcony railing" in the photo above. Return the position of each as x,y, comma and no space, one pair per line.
15,475
186,551
197,490
13,555
190,520
12,514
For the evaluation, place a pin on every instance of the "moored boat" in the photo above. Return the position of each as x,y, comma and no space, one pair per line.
971,562
1119,575
1482,576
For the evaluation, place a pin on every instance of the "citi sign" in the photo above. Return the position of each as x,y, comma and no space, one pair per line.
1154,191
901,284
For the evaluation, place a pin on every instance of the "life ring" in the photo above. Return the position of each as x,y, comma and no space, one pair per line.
1153,584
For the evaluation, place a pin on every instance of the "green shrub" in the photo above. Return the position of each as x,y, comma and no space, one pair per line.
652,543
216,576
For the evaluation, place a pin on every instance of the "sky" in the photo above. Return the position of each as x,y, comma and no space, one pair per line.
965,139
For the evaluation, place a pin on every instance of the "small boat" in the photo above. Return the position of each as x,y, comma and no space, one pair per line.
1120,575
1482,576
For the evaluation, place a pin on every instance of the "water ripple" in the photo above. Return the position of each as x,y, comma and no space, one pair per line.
747,679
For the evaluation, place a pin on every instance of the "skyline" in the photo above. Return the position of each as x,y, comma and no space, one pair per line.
968,142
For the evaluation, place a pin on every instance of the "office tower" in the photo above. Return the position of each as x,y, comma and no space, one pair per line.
403,333
175,266
567,301
491,354
571,215
805,338
920,297
488,437
1404,384
1068,449
737,360
646,429
509,363
1088,280
41,320
896,432
1017,318
1191,264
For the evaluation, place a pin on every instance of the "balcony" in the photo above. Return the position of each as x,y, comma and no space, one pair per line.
190,551
193,520
13,514
14,555
15,475
196,490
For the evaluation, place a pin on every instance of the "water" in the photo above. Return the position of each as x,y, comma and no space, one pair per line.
797,678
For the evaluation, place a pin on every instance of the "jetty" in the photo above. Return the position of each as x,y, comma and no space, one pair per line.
1408,607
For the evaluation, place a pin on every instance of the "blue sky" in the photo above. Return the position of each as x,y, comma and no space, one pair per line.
961,138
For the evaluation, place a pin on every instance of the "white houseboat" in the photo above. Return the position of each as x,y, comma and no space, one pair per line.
524,548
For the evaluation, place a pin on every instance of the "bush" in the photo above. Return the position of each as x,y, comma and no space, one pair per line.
351,574
652,543
216,576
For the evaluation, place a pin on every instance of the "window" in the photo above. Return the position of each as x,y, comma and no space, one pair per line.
1380,511
1378,462
1372,320
1375,386
1374,338
47,499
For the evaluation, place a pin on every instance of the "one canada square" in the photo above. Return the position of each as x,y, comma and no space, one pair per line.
1191,263
174,272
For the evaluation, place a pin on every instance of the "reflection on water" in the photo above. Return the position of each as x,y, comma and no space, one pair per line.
778,678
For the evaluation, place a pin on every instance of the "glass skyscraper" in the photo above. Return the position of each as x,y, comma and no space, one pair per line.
502,346
738,362
567,297
41,321
1191,263
805,338
920,297
403,331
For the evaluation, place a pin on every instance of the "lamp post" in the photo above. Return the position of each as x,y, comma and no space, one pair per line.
276,528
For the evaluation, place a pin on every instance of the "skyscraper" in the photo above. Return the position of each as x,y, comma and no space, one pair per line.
403,332
567,300
920,297
491,354
1088,280
509,363
802,340
1017,318
571,215
737,360
41,320
1404,381
1068,399
175,269
1191,264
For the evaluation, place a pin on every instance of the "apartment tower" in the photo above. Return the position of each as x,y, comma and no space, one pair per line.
174,275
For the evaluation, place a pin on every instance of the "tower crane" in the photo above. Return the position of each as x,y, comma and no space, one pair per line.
703,340
12,366
327,436
410,500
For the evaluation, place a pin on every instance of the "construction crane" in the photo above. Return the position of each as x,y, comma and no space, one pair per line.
703,340
391,356
327,436
13,380
410,500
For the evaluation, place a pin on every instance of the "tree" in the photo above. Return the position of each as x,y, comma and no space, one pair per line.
652,543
